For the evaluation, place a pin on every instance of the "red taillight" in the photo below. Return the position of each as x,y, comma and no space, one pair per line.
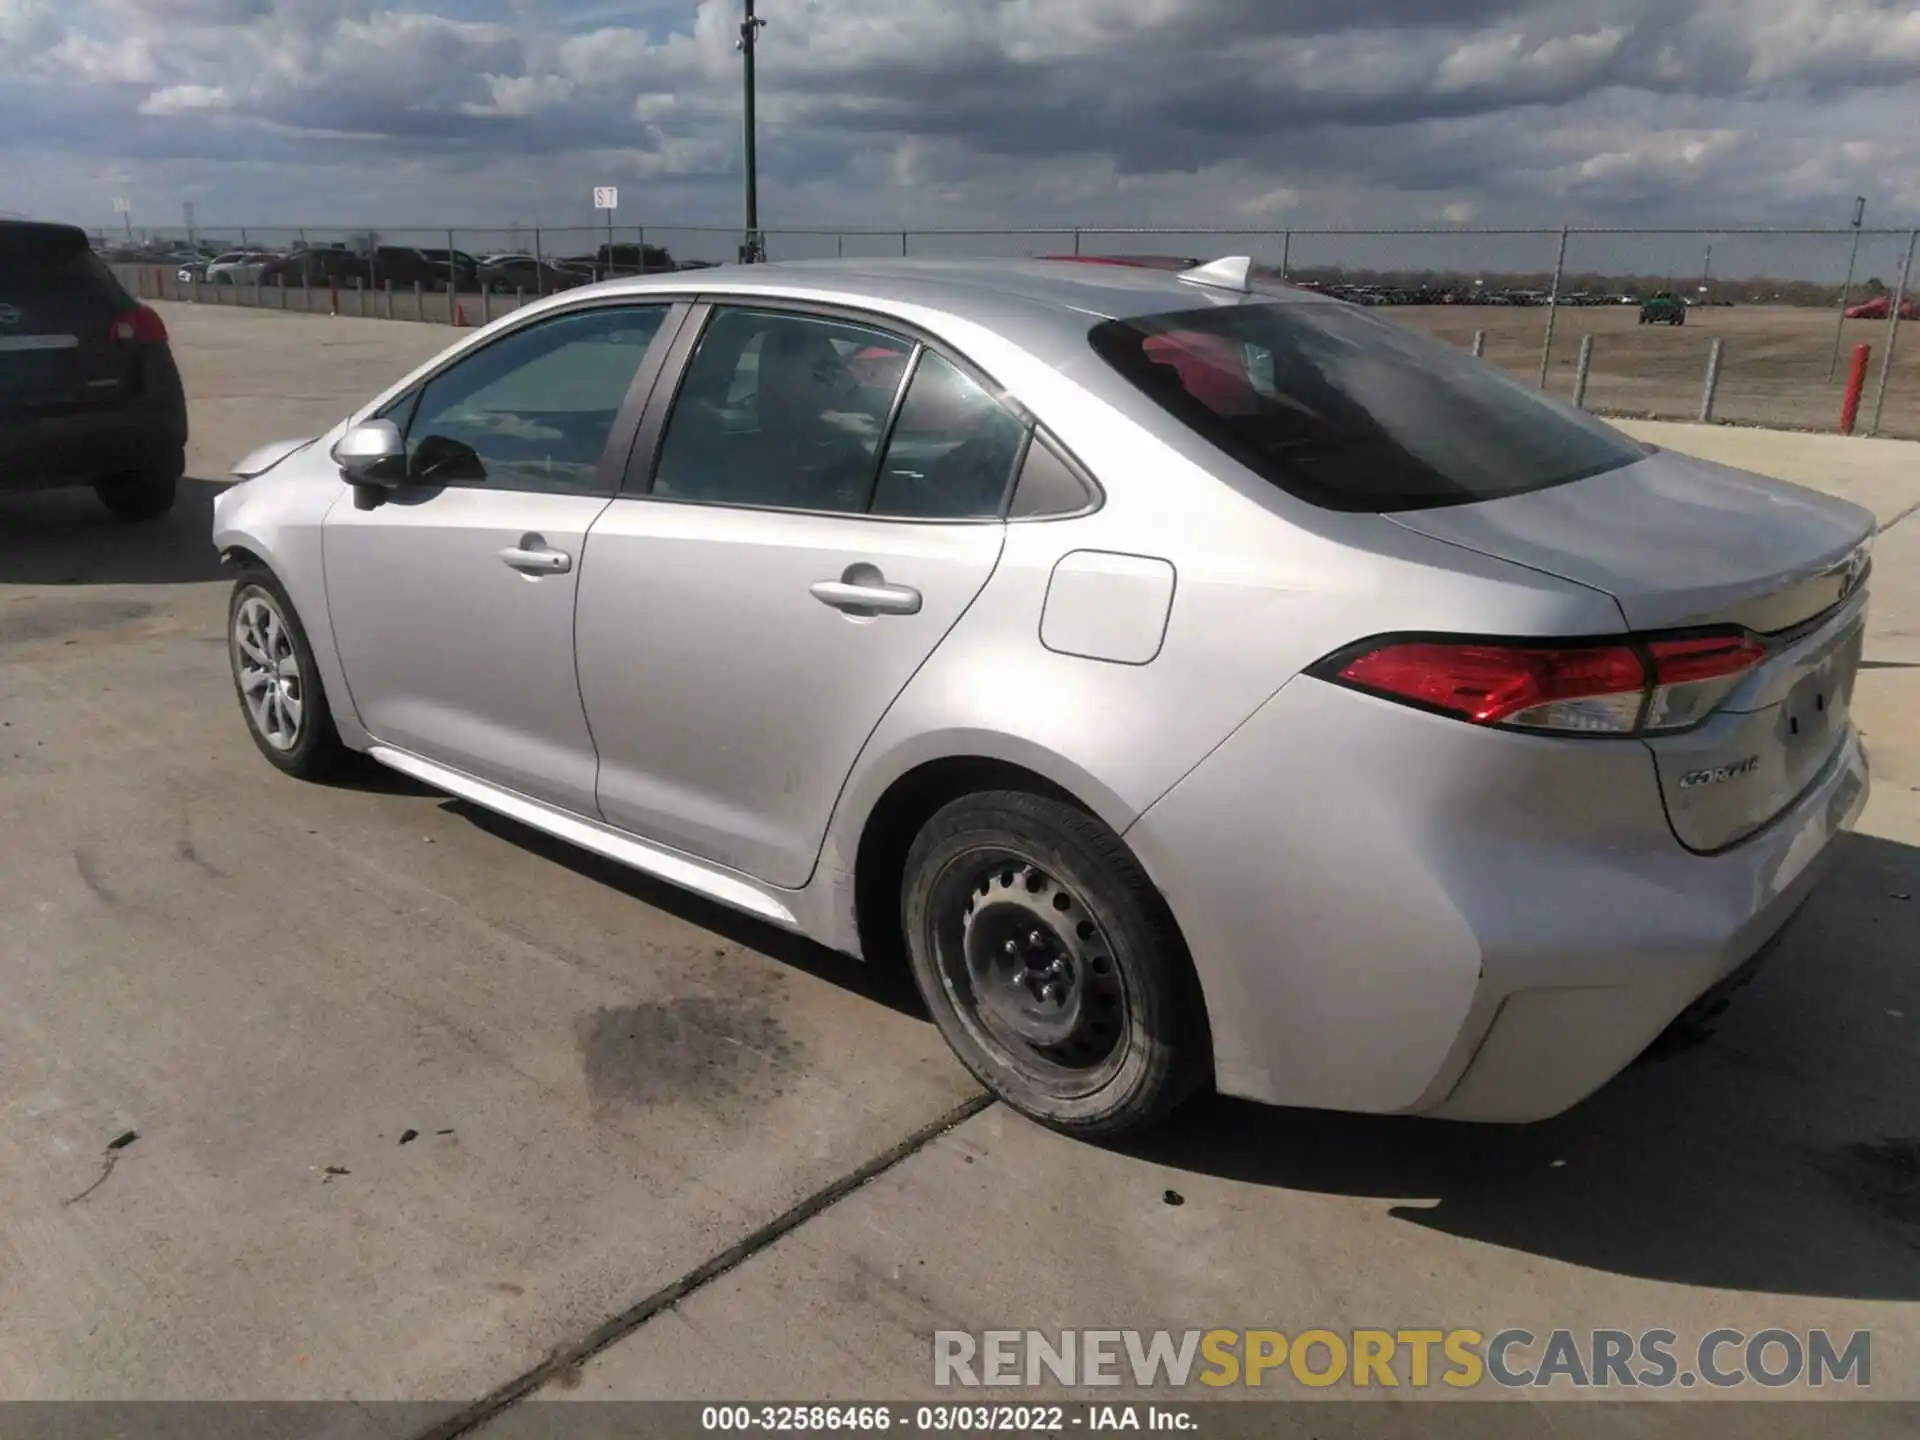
142,325
1609,689
1692,676
1711,657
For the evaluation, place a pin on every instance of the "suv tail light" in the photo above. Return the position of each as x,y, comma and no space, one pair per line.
142,325
1627,687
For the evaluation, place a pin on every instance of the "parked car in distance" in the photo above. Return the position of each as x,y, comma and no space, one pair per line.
403,267
506,274
1881,307
1665,308
237,267
318,266
1187,680
465,269
89,393
622,259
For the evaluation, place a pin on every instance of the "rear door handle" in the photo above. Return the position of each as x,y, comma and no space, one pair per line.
867,597
535,559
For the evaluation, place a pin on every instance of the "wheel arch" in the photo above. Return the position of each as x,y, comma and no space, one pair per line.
877,858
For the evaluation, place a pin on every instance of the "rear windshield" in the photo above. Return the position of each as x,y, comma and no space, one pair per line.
38,260
1352,412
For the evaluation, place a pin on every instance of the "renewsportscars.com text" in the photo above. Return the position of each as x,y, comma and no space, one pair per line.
1390,1359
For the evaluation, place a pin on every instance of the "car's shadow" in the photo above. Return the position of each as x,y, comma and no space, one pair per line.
883,985
1782,1155
66,537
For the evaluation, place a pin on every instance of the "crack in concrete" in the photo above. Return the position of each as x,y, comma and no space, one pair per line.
572,1355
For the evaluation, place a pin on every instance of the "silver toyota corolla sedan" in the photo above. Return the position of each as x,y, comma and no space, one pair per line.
1192,681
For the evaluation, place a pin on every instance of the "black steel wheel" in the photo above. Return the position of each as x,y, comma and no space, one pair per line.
1051,964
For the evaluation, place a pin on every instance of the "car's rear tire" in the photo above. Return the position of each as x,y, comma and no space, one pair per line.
282,698
141,494
1051,964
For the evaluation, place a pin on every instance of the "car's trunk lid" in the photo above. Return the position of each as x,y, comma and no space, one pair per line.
1682,543
1676,541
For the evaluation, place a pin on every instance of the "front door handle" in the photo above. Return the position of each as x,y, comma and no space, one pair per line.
864,591
532,557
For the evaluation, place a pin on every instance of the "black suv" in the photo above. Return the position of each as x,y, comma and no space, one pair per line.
89,394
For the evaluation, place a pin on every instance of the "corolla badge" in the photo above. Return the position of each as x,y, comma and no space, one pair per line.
9,314
1719,774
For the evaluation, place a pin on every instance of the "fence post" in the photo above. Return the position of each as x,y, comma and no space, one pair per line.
1286,255
519,296
194,288
1479,344
1713,381
419,300
1553,306
839,247
1840,320
281,281
1893,333
359,297
1584,370
306,292
453,282
486,303
903,244
1076,242
539,268
388,285
1856,383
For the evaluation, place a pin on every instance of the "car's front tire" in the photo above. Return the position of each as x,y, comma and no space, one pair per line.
281,694
141,494
1051,964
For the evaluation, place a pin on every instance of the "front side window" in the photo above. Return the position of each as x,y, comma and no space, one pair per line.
781,410
532,411
1352,412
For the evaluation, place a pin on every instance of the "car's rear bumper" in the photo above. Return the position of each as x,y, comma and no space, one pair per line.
80,446
1393,911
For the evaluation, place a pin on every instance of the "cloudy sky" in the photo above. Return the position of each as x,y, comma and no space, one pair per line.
949,112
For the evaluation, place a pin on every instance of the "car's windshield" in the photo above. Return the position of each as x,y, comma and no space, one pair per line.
1353,412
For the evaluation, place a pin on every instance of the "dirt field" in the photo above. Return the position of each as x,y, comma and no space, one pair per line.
1773,369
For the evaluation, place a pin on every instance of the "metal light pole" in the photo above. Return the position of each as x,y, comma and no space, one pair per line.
752,246
1846,290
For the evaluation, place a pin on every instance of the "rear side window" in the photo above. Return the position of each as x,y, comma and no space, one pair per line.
1354,413
952,450
37,260
1049,484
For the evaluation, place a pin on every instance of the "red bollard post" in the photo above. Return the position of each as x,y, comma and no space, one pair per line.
1856,382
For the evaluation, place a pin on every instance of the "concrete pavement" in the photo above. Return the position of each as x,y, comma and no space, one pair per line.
268,982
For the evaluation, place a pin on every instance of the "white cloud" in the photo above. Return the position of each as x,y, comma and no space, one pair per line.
521,95
185,100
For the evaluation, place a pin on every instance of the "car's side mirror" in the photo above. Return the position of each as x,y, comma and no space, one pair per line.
372,453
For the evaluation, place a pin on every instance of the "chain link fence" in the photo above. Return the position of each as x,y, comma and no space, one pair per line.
1740,326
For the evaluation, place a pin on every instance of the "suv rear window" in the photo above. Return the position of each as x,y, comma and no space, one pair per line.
37,260
1354,413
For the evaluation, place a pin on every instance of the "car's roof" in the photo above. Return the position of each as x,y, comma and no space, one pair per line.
41,227
1044,290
